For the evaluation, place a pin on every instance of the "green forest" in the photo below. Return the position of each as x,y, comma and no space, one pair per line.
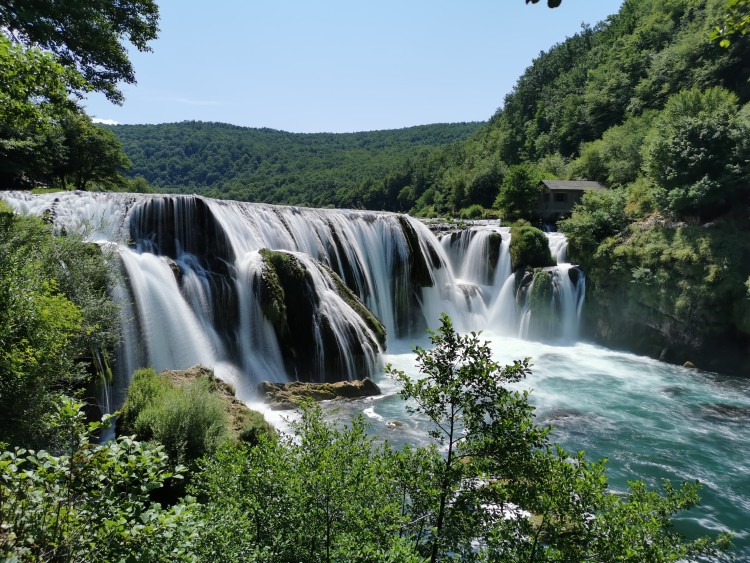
264,165
653,103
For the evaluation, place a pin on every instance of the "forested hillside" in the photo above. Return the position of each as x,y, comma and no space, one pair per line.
583,108
320,169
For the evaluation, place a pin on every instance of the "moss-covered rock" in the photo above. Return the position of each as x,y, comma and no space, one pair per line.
280,270
282,396
312,348
529,248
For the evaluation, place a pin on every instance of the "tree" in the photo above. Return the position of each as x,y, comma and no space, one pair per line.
33,98
461,394
85,35
696,153
92,154
736,21
519,192
505,493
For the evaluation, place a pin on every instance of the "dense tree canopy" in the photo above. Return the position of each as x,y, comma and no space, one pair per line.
51,52
91,155
697,153
85,35
33,98
368,169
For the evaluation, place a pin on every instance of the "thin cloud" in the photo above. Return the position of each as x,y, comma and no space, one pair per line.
105,121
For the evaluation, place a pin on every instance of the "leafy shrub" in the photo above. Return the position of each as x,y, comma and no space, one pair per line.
55,315
475,211
327,494
615,159
92,503
188,419
255,428
599,214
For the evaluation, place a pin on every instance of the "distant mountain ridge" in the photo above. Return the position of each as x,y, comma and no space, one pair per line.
267,165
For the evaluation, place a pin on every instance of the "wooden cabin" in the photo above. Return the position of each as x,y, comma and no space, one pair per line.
559,196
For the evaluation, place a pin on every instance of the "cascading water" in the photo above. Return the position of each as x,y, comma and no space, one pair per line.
518,303
196,289
194,274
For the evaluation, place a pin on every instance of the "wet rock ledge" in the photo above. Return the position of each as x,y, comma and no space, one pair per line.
284,396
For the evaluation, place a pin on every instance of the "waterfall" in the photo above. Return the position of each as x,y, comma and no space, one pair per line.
268,292
516,303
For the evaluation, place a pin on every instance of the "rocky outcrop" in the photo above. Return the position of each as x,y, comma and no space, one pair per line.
244,423
529,248
315,340
282,396
495,243
673,292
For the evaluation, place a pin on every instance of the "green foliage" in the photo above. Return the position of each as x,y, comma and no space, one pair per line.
502,492
670,290
615,159
376,170
85,35
325,494
498,492
697,289
55,317
139,185
696,153
187,419
33,97
92,503
475,211
51,53
735,21
519,192
254,428
599,214
477,419
529,248
92,156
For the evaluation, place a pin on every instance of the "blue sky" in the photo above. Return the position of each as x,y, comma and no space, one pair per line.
340,65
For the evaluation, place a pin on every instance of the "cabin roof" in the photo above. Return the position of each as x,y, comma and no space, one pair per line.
581,185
